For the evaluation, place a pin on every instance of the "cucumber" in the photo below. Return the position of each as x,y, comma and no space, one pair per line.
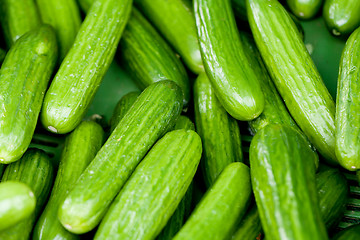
35,170
85,4
223,205
234,81
122,107
239,8
2,55
81,72
152,114
250,227
184,122
294,74
283,180
274,110
358,176
348,104
80,148
351,233
341,17
64,17
17,202
154,190
304,9
17,17
175,21
219,132
24,76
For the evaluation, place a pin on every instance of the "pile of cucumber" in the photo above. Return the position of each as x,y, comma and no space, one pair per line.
170,162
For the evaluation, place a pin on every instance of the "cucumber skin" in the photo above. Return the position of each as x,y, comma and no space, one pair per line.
250,227
30,61
282,161
154,190
341,17
85,4
234,81
348,105
304,9
223,205
146,121
81,72
17,17
2,56
80,148
219,132
183,122
299,83
166,16
351,233
35,170
64,17
148,58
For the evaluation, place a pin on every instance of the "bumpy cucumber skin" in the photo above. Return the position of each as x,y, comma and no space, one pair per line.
304,9
24,77
81,72
175,20
64,17
17,17
80,148
184,122
341,17
294,73
152,114
36,171
219,132
223,205
2,55
351,233
274,110
234,81
283,180
154,190
348,105
250,227
17,202
122,107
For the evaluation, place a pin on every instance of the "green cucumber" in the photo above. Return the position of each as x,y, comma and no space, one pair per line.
152,114
304,9
17,202
347,146
85,4
154,190
283,180
85,65
351,233
17,17
341,17
250,227
184,122
122,107
274,110
175,21
80,148
358,176
2,56
219,132
239,7
294,73
148,58
234,81
35,170
223,205
24,76
64,17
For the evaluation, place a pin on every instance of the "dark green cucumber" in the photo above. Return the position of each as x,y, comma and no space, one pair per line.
274,110
2,55
341,16
85,65
304,9
122,107
219,132
80,148
17,17
148,58
234,81
64,17
283,180
154,190
24,76
294,73
223,205
358,176
184,122
34,169
17,202
351,233
152,114
250,227
347,127
175,20
239,7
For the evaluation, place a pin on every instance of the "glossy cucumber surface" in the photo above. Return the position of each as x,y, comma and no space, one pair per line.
351,233
304,9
